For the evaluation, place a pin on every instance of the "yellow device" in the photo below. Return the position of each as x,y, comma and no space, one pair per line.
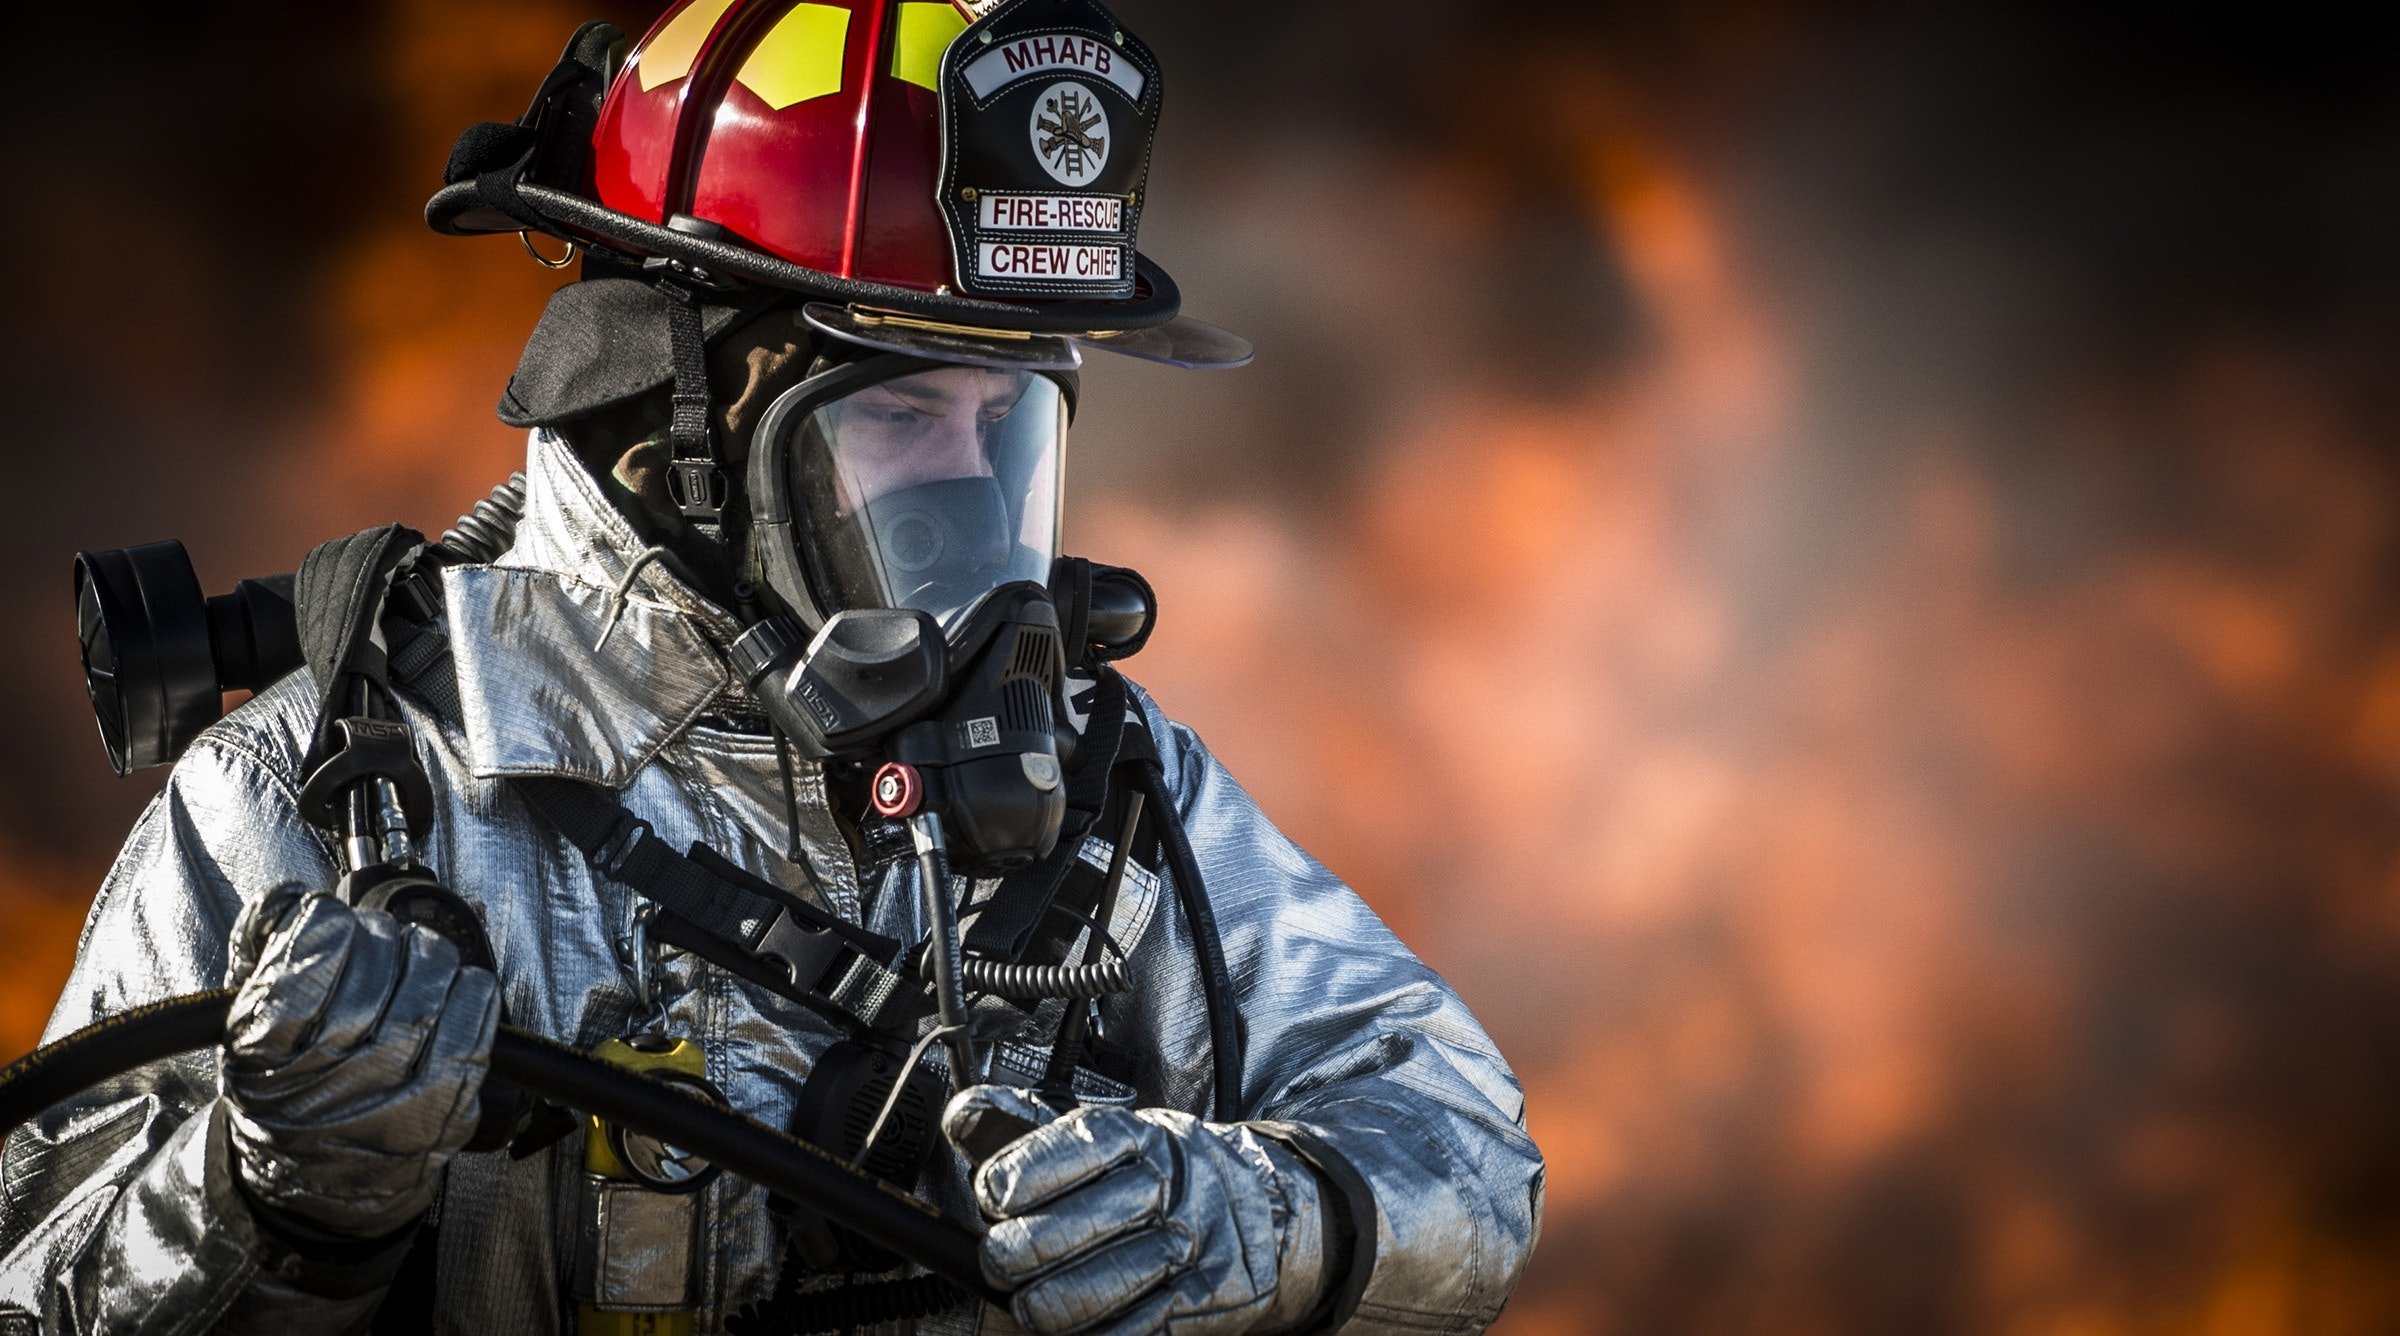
641,1200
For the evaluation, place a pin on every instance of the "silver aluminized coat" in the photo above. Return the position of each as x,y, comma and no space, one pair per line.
118,1212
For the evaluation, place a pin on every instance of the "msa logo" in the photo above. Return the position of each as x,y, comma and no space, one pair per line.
817,706
984,732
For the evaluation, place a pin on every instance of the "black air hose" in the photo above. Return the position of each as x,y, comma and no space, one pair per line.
490,529
1216,981
774,1160
864,1304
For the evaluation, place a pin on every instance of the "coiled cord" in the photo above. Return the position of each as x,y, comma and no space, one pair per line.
1001,979
482,534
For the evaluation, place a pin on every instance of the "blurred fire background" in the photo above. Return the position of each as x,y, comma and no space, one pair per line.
1832,566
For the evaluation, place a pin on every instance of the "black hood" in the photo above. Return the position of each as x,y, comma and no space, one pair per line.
602,342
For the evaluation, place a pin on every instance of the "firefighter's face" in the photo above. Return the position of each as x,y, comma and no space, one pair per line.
928,489
930,427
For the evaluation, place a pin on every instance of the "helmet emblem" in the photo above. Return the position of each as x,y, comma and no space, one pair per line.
1070,133
1047,112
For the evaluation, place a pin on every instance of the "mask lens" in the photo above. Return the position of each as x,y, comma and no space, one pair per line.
930,490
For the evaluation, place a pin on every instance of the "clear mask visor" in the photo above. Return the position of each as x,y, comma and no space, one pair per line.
932,489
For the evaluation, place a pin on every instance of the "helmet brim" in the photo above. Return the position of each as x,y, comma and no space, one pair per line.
460,209
1193,345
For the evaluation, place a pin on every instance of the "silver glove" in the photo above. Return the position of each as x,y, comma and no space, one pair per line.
354,1062
1142,1220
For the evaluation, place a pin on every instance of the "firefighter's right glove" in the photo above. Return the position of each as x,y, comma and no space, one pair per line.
1117,1220
354,1063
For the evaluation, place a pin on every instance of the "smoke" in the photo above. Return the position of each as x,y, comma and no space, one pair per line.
1830,567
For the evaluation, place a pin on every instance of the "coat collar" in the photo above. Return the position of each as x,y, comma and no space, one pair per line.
537,697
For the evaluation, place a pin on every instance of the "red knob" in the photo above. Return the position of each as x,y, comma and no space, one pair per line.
898,791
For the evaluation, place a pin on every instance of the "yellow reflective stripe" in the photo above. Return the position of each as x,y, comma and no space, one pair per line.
670,54
800,58
926,31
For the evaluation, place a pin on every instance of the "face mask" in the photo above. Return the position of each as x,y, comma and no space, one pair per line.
924,489
905,519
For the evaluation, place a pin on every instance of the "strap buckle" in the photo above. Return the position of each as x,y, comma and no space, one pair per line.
802,951
369,749
699,488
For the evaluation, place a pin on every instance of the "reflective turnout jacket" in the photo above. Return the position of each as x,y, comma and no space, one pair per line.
118,1211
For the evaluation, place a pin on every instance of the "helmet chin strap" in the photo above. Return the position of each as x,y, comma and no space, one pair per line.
696,478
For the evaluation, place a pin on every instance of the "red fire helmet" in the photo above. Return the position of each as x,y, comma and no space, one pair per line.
817,147
966,163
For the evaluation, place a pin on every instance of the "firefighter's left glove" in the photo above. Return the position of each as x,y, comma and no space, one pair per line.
1115,1220
354,1062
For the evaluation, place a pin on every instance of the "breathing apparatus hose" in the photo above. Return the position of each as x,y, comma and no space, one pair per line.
1216,981
484,533
779,1162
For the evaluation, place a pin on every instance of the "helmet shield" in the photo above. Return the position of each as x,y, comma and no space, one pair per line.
929,489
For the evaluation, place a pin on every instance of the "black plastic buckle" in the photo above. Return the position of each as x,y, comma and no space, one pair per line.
804,952
417,592
699,488
371,748
679,277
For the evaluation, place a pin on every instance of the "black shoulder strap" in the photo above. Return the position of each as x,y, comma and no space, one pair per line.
338,599
815,958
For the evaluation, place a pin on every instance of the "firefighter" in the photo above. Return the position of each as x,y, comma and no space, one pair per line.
792,500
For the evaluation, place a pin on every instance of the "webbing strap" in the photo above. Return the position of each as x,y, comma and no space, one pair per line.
688,430
624,847
826,962
424,664
339,594
696,479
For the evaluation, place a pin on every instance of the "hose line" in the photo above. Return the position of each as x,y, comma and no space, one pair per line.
775,1160
1225,1041
484,533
